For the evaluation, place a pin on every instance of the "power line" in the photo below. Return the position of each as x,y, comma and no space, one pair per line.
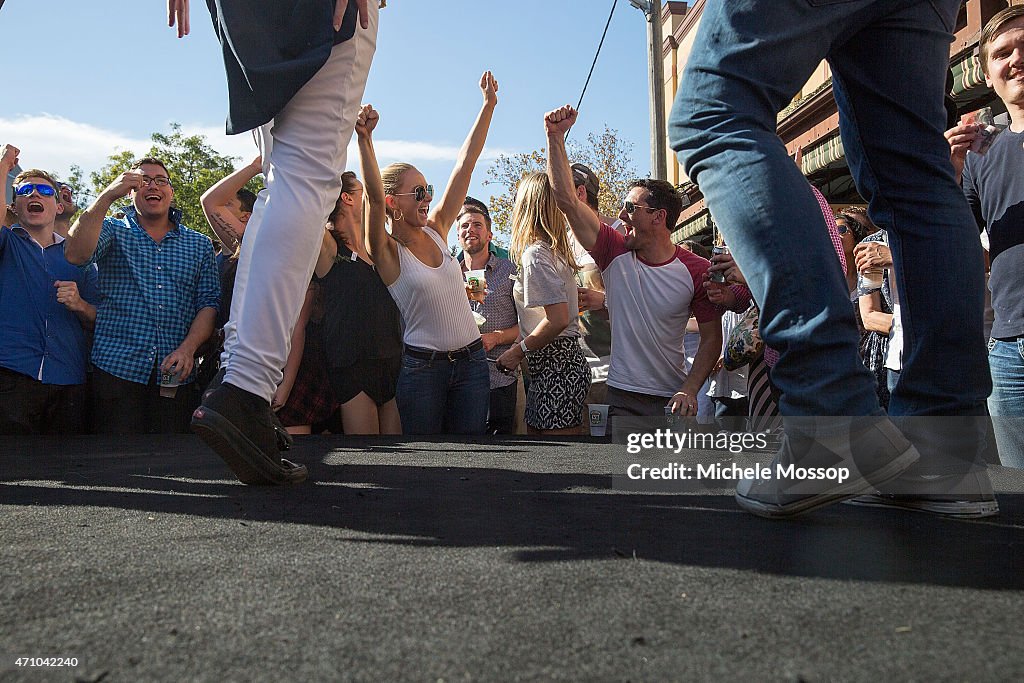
596,55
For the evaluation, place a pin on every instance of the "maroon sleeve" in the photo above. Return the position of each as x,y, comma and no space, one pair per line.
609,246
743,297
700,308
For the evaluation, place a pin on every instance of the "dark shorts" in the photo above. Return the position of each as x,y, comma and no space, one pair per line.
624,403
375,377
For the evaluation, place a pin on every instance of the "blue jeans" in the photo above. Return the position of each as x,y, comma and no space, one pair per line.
889,61
444,397
1006,404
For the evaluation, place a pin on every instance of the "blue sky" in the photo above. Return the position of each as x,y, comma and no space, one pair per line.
86,79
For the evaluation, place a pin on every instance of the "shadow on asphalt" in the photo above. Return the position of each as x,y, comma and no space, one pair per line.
537,516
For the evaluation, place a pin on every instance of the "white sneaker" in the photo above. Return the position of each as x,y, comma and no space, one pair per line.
966,496
826,460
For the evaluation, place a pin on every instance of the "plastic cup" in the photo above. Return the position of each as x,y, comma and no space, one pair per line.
598,413
169,383
872,279
477,281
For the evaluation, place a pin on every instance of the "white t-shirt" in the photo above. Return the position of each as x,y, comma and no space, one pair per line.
545,279
649,304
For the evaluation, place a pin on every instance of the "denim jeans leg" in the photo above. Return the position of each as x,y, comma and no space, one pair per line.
421,394
749,59
1006,404
889,62
468,396
889,82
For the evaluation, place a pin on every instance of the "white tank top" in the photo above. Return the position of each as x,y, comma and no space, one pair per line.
433,301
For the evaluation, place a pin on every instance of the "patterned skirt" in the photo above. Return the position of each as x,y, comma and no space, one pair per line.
559,381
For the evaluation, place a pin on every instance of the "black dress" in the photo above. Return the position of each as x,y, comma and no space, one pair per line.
362,331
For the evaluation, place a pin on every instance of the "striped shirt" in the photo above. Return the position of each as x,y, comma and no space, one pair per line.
152,292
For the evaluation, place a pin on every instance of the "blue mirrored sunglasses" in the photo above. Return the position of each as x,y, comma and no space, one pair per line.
25,189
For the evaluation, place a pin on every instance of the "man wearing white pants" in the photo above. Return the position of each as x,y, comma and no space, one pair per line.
304,153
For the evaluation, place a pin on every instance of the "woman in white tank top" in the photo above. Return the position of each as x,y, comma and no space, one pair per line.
443,386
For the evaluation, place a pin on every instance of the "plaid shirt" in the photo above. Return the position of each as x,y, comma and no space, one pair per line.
151,293
498,307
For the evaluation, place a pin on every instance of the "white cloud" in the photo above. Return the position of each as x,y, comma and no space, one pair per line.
54,143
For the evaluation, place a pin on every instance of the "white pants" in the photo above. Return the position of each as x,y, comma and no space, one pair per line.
304,154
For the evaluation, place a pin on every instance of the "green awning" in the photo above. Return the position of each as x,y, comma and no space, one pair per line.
697,224
968,79
821,155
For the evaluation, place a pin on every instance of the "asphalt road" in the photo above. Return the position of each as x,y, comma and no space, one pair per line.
497,560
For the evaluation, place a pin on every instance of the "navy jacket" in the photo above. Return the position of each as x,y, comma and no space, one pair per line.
271,49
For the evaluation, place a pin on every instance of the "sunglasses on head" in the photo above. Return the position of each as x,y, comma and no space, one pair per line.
25,189
630,207
419,193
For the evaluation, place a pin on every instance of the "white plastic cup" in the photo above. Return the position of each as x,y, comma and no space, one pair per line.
872,279
477,281
598,413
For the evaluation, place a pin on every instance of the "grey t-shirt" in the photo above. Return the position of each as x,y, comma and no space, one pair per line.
994,187
544,279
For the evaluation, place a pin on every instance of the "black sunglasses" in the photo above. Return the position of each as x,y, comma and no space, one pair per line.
630,207
419,193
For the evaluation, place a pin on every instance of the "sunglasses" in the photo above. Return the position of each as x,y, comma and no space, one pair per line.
631,208
419,193
25,189
842,228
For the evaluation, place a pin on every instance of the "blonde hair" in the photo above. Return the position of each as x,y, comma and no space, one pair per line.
536,218
391,177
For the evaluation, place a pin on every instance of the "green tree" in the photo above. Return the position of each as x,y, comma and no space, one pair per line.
193,166
605,153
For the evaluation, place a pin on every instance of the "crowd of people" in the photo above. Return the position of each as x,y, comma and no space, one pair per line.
369,325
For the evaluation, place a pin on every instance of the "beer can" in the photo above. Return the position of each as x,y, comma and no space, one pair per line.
718,276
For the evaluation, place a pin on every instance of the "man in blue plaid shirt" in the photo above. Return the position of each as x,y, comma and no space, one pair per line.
161,292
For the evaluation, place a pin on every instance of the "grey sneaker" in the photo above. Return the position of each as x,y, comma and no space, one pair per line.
967,496
823,461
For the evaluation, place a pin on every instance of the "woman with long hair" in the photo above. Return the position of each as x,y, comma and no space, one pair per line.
548,305
443,385
362,331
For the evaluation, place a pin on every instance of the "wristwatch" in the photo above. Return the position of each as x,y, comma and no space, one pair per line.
524,347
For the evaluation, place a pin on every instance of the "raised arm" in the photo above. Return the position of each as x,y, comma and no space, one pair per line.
8,160
85,233
443,215
177,14
224,224
381,248
585,223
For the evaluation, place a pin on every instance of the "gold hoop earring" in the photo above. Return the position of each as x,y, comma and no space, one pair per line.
398,216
